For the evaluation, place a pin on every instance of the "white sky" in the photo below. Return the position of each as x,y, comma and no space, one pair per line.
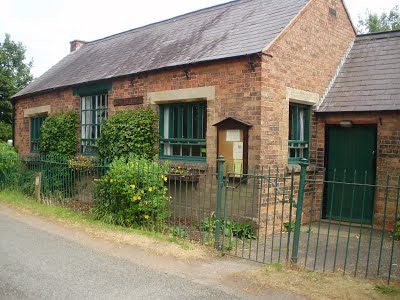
46,27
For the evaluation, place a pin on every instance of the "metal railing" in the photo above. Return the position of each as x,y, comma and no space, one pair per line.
317,220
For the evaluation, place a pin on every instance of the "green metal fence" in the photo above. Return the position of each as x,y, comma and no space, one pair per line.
319,221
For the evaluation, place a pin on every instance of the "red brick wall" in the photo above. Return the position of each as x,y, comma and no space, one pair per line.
60,100
305,57
237,93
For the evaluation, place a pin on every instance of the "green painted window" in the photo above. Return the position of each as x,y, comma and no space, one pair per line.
36,123
93,113
299,132
183,131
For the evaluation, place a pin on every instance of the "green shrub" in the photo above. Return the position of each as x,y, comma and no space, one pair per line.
10,166
232,228
178,231
397,229
132,193
7,149
5,131
58,135
129,132
288,226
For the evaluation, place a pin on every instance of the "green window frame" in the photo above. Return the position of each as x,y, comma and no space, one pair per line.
94,111
299,132
183,129
36,124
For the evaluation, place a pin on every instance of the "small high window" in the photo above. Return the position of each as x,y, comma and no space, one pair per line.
299,128
183,131
36,123
93,113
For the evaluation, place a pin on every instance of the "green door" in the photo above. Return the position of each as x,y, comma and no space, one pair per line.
350,159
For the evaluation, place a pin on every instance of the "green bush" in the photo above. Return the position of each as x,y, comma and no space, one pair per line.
132,193
10,166
5,131
58,135
397,229
228,228
127,133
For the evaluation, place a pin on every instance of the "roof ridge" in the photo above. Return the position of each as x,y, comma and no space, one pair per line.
381,34
181,17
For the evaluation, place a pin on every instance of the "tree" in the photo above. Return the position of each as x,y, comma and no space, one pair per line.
14,74
5,131
373,22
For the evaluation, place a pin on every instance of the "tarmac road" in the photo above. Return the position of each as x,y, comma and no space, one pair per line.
35,264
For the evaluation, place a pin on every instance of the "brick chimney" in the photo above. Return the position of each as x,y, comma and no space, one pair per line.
76,44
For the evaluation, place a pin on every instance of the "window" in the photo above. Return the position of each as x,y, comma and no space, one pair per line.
93,114
36,123
299,123
183,131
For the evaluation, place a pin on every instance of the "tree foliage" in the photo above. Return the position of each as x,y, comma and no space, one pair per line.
129,132
58,134
14,74
5,131
374,22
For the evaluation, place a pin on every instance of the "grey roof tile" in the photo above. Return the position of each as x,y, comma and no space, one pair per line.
233,29
370,77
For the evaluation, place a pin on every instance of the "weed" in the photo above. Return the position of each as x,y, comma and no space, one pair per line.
387,289
178,231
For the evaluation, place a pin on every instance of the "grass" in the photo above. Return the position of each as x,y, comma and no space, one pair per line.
388,290
171,245
315,285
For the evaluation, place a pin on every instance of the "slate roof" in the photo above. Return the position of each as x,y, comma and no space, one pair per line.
228,30
370,77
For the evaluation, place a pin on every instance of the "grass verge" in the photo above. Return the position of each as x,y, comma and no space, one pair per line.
152,241
315,285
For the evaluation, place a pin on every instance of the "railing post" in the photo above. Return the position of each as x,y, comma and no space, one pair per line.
299,209
221,162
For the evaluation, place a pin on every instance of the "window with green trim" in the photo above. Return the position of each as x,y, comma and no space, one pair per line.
183,131
36,123
299,132
93,113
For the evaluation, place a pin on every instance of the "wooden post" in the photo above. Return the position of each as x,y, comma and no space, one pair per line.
38,184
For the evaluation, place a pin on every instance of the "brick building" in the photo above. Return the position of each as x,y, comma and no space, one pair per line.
244,59
267,63
359,129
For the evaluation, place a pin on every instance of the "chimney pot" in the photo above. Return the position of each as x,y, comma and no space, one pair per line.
76,44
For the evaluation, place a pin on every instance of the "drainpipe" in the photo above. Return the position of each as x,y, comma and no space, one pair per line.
13,102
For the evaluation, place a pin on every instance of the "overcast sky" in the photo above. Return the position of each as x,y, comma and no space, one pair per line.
46,27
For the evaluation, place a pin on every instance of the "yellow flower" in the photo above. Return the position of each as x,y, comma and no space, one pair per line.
139,197
132,186
142,192
146,217
134,199
165,178
150,189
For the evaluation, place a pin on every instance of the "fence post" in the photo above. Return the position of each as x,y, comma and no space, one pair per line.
299,209
221,162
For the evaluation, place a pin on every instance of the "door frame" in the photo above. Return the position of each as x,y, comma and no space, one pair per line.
373,127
